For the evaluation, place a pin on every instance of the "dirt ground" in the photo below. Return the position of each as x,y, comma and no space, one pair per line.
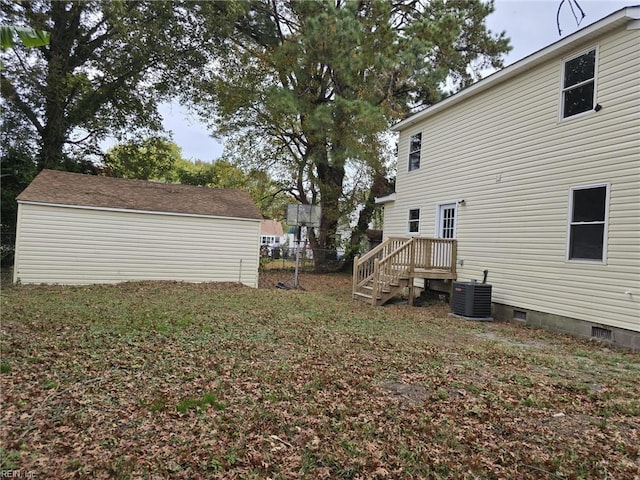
306,281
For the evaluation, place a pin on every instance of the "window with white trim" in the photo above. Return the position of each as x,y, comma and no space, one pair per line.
579,84
414,220
415,146
589,206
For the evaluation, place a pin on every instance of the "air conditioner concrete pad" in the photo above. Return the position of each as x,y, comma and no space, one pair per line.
475,319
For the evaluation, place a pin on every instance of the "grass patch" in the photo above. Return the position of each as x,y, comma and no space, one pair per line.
199,403
9,460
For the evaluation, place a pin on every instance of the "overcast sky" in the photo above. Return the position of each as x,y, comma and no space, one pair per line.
530,24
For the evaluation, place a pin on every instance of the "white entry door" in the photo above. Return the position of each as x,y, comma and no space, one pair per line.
445,228
447,220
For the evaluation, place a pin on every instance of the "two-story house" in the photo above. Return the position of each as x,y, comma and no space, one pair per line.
533,174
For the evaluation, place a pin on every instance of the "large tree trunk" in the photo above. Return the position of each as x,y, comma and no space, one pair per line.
52,145
58,83
324,244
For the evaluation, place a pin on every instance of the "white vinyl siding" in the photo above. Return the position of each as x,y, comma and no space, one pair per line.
514,162
82,246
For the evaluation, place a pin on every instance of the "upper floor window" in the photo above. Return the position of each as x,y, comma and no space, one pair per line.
414,151
578,84
414,220
587,222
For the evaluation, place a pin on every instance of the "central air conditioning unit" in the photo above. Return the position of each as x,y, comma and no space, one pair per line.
471,299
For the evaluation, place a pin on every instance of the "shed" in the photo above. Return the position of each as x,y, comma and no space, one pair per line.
83,229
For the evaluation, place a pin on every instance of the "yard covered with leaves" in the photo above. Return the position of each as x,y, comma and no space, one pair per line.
173,380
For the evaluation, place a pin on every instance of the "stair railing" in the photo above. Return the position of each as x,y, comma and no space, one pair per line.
363,267
394,267
397,259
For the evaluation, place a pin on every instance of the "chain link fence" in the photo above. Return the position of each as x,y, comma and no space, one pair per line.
284,258
7,249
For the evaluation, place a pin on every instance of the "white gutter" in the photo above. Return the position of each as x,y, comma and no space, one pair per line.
386,199
625,15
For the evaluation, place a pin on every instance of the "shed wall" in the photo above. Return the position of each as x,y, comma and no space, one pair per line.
509,156
82,246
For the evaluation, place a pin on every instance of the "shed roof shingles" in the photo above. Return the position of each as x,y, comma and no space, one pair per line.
74,189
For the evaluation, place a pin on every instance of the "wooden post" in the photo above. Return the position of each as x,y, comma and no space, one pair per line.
355,276
454,264
376,282
454,256
412,264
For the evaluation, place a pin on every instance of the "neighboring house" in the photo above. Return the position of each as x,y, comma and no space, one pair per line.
82,229
535,171
271,234
291,242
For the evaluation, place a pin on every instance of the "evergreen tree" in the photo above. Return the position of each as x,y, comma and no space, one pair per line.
310,87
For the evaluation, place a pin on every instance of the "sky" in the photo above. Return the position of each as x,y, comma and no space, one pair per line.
530,24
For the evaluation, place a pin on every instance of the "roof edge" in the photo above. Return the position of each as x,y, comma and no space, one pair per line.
126,210
624,15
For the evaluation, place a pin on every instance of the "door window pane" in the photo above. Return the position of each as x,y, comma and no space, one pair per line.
448,222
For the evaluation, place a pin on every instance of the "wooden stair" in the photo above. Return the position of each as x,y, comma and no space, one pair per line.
392,267
383,294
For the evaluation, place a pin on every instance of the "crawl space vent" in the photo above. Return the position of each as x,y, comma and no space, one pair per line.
519,315
602,333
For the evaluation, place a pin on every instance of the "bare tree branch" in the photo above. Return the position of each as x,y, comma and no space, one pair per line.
571,5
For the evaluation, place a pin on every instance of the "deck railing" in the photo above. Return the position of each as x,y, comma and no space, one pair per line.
403,258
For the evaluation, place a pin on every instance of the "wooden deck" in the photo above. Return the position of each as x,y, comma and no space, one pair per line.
394,265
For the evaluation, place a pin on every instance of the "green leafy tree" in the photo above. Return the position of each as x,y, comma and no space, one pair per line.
195,172
153,158
17,171
106,66
17,167
156,158
310,88
30,37
269,195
